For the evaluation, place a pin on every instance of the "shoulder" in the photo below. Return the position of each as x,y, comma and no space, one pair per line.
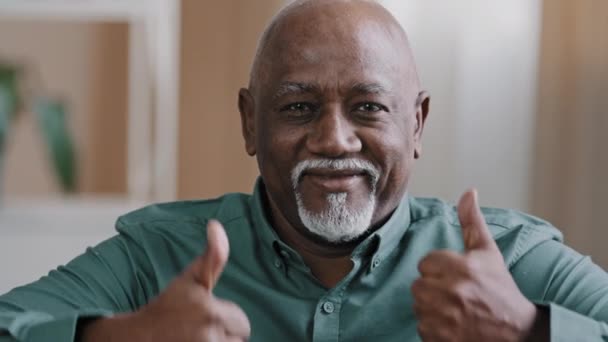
515,232
186,215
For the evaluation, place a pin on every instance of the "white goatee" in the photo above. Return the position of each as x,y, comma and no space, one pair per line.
339,221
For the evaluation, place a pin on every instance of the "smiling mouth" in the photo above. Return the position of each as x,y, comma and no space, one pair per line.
334,180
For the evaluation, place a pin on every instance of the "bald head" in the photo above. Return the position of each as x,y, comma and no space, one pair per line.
344,25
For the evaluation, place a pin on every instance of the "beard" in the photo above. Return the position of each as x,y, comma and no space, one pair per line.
340,221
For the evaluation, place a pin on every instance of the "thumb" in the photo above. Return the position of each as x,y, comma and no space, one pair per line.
475,232
209,266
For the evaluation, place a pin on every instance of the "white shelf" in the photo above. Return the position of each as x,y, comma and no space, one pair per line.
153,103
43,233
79,215
85,10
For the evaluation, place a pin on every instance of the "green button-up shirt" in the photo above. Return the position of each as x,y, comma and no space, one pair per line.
283,300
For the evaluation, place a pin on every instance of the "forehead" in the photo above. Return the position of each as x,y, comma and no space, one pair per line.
330,51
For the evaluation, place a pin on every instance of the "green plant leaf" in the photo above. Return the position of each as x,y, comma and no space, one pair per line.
52,121
9,100
5,113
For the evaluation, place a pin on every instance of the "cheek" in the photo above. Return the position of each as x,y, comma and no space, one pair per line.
389,146
277,151
284,142
393,150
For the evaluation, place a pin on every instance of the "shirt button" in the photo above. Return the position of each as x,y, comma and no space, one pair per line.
277,263
328,307
376,263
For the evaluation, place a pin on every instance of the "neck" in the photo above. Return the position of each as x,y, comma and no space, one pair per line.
329,263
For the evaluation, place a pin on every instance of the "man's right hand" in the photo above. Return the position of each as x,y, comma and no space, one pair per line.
186,310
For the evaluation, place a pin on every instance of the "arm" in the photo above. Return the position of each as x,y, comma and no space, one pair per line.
106,295
102,281
570,286
185,311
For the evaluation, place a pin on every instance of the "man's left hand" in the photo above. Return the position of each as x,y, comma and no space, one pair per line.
470,296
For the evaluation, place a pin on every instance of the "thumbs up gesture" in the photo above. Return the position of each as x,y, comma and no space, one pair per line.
470,296
186,310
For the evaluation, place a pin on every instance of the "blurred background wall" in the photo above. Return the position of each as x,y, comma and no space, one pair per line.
518,110
85,64
219,41
571,145
479,61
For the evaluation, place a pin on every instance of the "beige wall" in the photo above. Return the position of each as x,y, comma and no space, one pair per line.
86,65
218,44
571,162
478,59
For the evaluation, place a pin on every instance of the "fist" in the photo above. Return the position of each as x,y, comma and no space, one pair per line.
470,296
187,310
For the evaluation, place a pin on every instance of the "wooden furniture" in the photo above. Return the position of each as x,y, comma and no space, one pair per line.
154,35
37,234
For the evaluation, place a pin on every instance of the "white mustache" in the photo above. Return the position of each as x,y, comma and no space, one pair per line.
354,164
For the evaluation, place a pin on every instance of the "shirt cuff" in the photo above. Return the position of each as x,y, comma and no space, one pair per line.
568,325
42,327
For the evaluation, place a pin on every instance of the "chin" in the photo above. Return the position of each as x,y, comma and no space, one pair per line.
339,222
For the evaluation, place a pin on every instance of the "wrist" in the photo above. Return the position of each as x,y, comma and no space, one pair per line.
115,328
539,328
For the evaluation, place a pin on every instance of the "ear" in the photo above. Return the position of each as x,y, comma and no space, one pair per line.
246,108
423,102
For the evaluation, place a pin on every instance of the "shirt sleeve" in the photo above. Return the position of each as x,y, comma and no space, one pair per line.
574,289
106,279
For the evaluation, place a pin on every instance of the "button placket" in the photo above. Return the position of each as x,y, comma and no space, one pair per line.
328,307
327,319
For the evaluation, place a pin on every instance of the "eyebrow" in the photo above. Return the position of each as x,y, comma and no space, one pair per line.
289,88
292,88
369,88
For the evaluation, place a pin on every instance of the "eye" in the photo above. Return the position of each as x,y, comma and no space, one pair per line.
298,108
370,108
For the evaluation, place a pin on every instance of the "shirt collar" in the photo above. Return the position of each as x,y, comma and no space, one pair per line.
386,238
269,242
379,244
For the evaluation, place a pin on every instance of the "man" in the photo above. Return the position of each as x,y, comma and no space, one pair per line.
329,247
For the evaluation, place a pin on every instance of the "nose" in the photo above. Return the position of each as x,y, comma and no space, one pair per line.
333,135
